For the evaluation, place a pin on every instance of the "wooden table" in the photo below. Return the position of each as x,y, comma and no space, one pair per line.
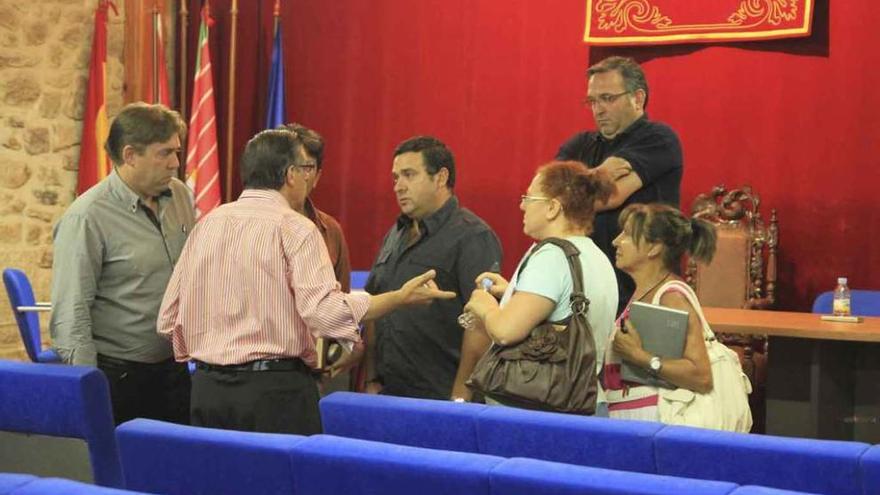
823,377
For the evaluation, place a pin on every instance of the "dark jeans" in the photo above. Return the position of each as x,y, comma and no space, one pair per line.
264,401
147,390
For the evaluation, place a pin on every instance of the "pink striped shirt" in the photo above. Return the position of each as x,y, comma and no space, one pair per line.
254,282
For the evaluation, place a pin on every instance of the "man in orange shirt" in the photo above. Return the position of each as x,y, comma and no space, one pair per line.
330,229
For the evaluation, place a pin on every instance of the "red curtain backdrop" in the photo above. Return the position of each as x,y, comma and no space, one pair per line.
501,82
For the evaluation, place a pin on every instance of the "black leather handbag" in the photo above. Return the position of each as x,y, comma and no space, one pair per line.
554,368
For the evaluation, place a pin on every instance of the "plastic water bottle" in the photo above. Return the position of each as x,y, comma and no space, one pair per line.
842,298
468,320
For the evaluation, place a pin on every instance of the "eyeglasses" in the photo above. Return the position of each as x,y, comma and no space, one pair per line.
306,168
526,198
605,99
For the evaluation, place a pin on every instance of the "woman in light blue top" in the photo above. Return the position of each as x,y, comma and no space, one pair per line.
560,202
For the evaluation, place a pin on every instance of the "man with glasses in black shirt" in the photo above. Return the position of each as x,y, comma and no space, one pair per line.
643,156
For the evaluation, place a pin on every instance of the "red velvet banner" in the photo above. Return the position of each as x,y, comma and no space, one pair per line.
651,22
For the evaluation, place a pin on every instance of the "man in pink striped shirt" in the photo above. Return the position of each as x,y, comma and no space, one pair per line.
252,290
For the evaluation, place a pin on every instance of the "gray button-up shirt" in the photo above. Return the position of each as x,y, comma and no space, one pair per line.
111,266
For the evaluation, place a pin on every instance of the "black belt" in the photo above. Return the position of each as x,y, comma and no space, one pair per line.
292,364
103,359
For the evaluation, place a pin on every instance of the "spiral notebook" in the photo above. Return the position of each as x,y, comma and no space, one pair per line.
663,331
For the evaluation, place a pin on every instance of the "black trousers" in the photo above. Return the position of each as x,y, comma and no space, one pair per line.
263,401
147,390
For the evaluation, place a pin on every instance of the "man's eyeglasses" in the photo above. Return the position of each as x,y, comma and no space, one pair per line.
306,168
526,198
604,99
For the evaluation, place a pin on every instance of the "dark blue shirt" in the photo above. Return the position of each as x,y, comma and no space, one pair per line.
418,348
654,151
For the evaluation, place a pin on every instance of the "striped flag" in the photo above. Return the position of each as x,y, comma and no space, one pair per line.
202,159
93,162
275,110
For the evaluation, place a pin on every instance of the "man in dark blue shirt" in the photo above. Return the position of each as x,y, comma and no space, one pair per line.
643,156
422,351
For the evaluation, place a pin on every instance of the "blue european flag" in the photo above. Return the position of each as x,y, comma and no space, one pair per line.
275,110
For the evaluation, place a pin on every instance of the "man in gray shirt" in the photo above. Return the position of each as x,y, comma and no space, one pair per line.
115,249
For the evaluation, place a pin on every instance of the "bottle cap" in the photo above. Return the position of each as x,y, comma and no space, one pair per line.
841,280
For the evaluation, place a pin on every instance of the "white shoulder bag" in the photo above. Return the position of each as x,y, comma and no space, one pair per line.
726,407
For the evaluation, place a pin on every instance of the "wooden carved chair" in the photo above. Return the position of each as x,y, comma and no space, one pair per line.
742,273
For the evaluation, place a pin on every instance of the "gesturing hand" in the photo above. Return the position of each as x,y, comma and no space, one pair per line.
422,289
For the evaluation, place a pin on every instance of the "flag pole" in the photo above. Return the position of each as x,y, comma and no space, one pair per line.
183,15
154,36
230,120
276,13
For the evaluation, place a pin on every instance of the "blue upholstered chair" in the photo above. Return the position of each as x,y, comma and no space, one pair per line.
813,466
425,423
24,307
870,467
167,458
326,464
10,481
586,441
359,279
57,486
529,476
62,401
863,302
763,490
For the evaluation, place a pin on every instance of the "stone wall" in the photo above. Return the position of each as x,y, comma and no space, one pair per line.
45,48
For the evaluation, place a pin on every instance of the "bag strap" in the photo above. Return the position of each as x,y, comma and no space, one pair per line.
579,302
688,293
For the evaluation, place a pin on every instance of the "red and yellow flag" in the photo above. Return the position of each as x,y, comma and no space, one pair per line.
93,162
202,159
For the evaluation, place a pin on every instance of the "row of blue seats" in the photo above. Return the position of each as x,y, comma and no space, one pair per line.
71,401
817,466
172,459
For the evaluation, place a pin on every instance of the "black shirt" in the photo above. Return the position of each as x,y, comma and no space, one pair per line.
418,348
654,151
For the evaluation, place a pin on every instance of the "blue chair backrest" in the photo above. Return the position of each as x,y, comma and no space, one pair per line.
62,401
425,423
327,464
499,431
862,302
57,486
359,279
167,458
814,466
21,294
586,441
11,481
763,490
528,476
870,466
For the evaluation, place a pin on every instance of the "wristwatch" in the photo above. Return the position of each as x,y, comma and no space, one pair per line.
654,365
